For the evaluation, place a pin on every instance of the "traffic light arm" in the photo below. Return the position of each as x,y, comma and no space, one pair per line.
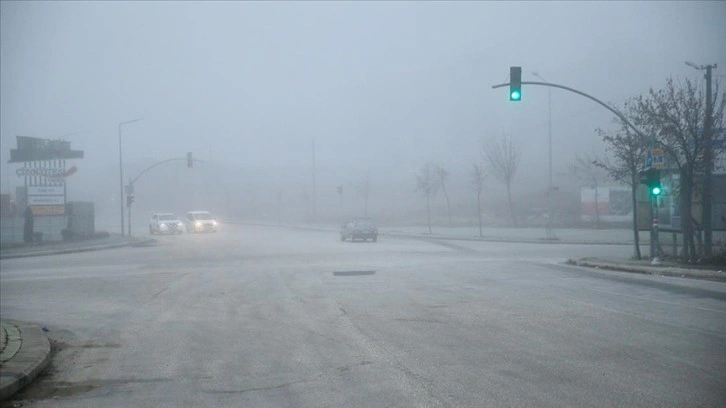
160,163
566,88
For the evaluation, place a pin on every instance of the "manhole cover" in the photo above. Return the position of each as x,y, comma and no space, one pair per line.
353,273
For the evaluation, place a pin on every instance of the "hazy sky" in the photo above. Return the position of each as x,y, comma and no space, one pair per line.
379,85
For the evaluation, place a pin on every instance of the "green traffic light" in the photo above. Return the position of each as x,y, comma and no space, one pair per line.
656,190
515,96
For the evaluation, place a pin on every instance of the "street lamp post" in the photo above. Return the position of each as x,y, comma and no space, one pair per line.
708,158
121,171
549,155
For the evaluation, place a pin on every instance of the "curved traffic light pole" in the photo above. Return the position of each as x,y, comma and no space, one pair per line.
654,230
592,98
131,182
158,164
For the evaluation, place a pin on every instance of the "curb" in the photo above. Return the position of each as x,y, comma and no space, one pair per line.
447,237
140,242
505,240
29,360
652,270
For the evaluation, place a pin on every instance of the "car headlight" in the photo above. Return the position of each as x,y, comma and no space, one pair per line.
198,223
214,223
162,225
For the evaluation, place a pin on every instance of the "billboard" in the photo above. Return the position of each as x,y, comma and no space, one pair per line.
31,149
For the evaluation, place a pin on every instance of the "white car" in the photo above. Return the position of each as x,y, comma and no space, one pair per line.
165,223
200,221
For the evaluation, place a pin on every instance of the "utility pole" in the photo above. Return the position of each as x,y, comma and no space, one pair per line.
708,179
314,187
121,171
128,208
279,206
121,179
706,220
549,154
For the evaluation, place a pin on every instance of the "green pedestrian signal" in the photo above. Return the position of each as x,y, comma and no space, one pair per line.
515,84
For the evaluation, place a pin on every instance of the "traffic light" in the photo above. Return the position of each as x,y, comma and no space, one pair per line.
515,84
651,178
129,200
190,161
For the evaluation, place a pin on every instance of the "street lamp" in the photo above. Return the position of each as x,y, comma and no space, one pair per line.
121,171
708,158
549,154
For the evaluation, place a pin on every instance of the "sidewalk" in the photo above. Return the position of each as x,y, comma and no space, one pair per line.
63,247
643,266
24,353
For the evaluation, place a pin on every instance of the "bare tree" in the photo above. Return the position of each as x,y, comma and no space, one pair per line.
627,149
427,183
503,157
586,168
676,115
478,175
442,175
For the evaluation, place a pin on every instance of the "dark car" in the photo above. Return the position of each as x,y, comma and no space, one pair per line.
359,228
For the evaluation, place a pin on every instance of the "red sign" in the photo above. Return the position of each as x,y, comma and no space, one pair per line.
48,209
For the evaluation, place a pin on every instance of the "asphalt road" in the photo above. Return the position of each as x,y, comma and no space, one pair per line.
257,316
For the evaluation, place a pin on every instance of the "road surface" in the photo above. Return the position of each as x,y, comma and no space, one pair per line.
258,316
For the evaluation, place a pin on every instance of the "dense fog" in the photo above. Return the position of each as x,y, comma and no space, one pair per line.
283,103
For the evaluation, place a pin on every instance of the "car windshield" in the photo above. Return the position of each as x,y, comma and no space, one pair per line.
416,203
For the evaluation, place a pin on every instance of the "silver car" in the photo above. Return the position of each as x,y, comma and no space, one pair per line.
201,221
165,223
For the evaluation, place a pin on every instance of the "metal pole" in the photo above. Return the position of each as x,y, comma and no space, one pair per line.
128,207
121,179
708,156
121,172
129,192
549,155
314,187
549,186
592,98
654,241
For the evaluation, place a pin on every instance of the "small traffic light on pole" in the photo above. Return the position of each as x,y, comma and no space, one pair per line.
651,178
190,161
515,84
129,200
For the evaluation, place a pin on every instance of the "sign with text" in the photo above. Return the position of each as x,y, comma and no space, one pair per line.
45,172
46,190
654,159
46,200
48,209
46,195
